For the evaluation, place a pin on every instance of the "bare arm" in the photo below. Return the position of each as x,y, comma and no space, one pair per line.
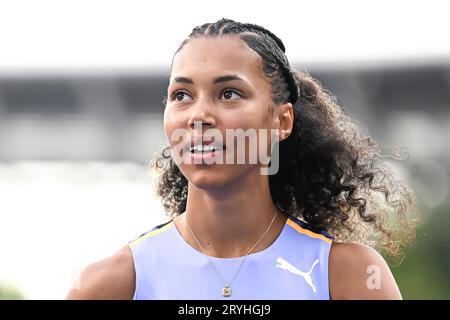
110,279
358,272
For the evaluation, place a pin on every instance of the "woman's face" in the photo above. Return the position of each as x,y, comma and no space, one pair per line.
201,98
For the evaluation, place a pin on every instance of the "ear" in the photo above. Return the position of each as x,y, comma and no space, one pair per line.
285,119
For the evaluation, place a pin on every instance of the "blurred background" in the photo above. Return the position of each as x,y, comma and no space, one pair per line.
81,85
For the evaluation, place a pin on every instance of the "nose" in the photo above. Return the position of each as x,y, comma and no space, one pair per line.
202,115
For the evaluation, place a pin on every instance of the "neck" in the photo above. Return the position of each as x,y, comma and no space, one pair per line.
228,222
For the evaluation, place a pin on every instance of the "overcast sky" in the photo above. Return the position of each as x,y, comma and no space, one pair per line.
97,34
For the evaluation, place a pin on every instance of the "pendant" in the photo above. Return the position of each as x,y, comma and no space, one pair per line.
226,291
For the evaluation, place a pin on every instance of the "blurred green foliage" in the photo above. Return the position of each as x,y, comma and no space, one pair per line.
9,293
424,273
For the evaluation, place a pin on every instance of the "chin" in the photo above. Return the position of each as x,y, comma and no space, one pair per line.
203,177
209,177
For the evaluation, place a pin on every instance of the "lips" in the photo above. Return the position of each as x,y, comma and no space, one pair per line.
204,144
205,148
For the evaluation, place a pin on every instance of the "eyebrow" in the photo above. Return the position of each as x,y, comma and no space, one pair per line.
225,78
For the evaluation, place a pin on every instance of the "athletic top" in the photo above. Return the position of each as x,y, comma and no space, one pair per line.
294,266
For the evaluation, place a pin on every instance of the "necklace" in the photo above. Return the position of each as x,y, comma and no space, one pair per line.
226,290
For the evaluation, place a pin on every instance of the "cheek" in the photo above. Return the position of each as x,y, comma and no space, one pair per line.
247,120
170,123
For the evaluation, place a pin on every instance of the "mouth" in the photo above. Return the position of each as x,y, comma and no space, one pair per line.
205,148
204,144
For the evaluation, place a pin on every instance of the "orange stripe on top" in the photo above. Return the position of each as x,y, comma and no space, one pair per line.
151,234
308,232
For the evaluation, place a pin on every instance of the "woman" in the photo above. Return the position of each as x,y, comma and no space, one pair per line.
298,232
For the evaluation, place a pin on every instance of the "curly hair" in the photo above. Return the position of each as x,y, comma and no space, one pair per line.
330,176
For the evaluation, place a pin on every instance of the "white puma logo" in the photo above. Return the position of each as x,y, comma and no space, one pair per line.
283,264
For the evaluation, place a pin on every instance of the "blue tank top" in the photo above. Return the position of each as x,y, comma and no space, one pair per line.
294,266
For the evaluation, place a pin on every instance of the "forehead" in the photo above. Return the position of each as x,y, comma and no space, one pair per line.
210,57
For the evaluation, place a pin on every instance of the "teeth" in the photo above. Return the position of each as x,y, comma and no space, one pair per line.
204,148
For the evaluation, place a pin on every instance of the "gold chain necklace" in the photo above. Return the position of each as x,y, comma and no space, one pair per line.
226,290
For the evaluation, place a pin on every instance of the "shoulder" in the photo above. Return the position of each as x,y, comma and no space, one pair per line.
151,233
359,272
110,278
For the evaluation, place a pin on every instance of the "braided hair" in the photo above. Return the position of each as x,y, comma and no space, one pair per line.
329,175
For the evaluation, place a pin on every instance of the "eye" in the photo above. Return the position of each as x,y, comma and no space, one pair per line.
228,94
179,96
